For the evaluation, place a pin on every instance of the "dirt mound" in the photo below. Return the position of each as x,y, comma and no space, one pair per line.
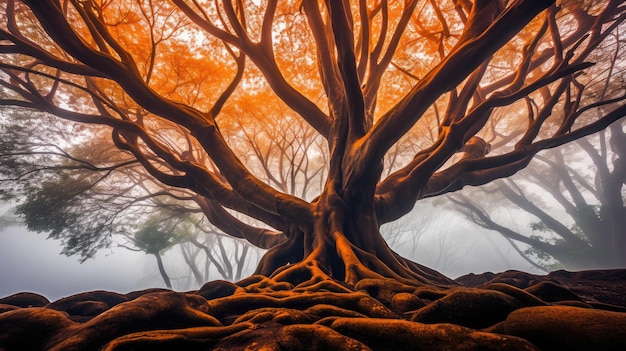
507,311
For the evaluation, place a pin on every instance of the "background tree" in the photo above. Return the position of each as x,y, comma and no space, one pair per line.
168,84
579,222
66,195
585,181
154,238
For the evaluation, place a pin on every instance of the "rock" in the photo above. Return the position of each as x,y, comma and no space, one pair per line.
469,308
25,299
567,328
216,289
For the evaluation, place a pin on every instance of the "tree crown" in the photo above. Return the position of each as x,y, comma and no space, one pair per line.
256,108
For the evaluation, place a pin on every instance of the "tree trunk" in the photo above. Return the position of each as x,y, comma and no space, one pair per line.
342,244
190,259
164,275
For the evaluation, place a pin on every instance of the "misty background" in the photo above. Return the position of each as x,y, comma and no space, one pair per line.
445,241
444,233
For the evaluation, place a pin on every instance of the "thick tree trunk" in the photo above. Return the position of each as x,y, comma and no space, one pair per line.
343,244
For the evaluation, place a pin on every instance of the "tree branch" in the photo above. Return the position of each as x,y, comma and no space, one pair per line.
467,55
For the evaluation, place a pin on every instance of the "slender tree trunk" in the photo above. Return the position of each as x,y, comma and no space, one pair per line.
191,262
241,259
164,275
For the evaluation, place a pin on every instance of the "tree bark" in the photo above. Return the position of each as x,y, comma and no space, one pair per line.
343,244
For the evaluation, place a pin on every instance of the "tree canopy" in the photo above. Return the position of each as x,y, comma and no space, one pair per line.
381,104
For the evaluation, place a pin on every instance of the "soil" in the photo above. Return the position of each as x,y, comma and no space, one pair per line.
506,311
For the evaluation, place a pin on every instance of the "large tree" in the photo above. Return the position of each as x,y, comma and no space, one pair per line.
172,81
178,84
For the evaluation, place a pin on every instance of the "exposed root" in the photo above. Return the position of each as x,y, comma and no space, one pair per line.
336,264
403,335
321,314
189,339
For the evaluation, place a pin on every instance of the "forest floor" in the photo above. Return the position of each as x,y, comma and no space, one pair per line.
506,311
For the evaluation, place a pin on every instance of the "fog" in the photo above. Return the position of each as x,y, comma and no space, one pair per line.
29,262
435,234
446,241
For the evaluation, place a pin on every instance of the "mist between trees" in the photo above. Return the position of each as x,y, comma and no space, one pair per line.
300,130
557,194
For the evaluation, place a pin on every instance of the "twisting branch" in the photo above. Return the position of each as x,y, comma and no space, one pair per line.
478,44
202,127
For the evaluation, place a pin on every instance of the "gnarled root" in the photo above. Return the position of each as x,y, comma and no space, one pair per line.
336,264
376,313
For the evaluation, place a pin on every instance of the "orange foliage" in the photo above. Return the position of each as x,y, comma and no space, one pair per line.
249,103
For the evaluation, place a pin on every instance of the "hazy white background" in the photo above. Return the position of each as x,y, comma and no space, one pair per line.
29,262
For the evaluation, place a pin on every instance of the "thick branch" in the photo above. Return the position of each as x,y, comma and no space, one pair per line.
464,58
402,188
346,60
260,237
205,130
482,171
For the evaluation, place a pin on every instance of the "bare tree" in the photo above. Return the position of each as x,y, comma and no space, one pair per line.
582,224
68,196
167,83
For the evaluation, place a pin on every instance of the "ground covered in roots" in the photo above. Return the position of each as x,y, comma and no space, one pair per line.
506,311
